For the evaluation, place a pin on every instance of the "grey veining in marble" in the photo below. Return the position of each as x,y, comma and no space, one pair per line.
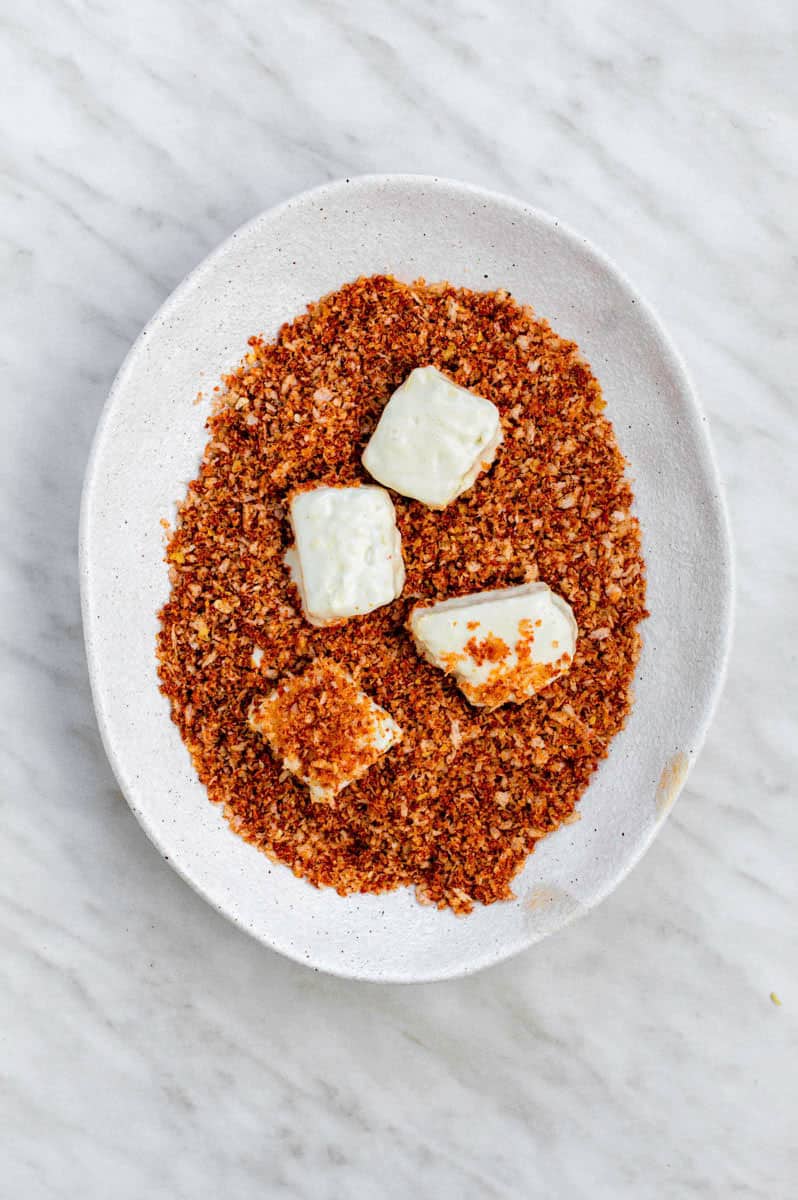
147,1048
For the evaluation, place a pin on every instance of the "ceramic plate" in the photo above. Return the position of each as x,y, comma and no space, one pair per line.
147,448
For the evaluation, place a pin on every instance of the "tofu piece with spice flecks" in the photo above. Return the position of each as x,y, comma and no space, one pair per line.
501,646
433,439
347,554
323,729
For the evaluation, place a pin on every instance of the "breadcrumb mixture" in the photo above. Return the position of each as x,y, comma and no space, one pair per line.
456,807
321,726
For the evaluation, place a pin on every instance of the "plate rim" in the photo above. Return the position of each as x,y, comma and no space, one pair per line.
728,565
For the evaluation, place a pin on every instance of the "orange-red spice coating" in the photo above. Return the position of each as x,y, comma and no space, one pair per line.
321,723
457,806
514,685
490,649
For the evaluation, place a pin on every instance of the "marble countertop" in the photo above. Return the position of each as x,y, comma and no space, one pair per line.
148,1048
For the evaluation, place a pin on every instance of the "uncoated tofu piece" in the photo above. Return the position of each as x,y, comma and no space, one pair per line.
347,556
322,728
501,646
433,439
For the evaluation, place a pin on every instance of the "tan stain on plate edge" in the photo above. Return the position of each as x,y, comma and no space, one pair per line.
541,896
671,782
543,901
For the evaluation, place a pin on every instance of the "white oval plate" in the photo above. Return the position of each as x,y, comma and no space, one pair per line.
147,448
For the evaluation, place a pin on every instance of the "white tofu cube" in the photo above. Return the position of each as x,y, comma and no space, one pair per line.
322,728
501,646
433,439
347,557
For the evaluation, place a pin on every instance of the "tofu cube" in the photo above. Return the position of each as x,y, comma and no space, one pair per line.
433,439
322,728
501,646
347,556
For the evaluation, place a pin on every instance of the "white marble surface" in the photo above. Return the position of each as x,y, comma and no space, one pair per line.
147,1048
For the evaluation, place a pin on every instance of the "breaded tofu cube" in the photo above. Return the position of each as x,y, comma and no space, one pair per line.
322,728
347,554
501,646
433,439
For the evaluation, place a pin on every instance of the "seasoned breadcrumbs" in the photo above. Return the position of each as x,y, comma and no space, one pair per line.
322,727
455,808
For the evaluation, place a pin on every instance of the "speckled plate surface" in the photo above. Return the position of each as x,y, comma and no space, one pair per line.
147,448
